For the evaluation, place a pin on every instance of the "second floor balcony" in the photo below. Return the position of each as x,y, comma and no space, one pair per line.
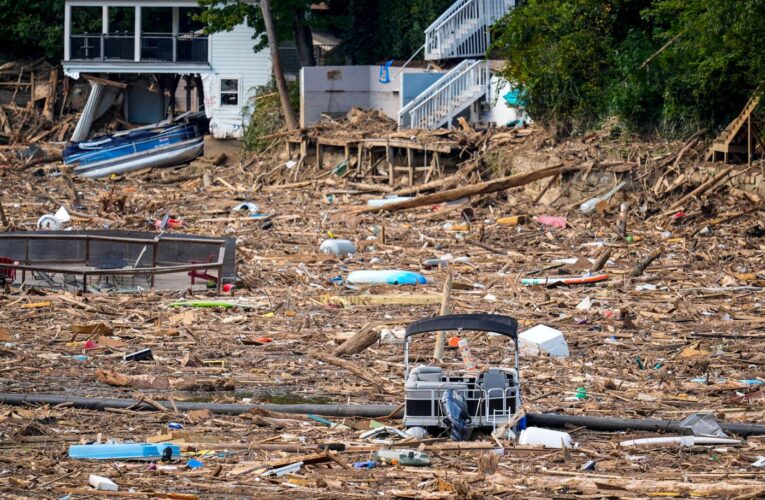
134,35
153,47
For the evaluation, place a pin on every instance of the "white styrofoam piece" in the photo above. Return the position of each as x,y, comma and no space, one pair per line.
102,483
542,338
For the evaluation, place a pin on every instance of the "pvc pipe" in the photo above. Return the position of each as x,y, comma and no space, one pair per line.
332,410
554,420
610,424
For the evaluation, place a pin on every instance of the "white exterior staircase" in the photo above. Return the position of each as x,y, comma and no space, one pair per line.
462,31
449,96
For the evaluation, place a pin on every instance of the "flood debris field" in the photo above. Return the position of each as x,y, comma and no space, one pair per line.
660,338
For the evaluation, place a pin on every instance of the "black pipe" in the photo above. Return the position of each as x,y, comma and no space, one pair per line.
610,424
330,410
555,420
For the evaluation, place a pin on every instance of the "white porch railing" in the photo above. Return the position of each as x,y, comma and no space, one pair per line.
462,31
452,94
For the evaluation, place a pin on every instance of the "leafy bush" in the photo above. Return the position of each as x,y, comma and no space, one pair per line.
267,117
580,61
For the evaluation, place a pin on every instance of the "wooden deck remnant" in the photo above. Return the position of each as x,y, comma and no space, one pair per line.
740,137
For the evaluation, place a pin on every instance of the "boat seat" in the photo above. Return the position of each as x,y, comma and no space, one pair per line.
494,380
431,378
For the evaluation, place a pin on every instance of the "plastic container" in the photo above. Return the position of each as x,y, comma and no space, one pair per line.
545,437
402,457
386,277
125,451
339,248
467,356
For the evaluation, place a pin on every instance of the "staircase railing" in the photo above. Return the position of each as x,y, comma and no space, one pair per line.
461,30
450,95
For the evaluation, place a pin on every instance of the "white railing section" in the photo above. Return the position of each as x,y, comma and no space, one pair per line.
452,94
462,31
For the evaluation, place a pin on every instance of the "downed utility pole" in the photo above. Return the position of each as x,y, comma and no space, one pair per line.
487,187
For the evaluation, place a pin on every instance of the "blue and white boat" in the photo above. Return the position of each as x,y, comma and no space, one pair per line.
159,146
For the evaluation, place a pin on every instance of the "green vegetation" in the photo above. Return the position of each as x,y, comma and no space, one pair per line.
581,61
31,29
267,117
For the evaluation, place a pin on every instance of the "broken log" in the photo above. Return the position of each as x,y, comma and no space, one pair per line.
3,218
703,188
360,341
487,187
643,264
602,260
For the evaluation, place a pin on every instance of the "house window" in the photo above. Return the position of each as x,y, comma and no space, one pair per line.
229,92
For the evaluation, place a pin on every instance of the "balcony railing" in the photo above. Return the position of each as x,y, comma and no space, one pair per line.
155,47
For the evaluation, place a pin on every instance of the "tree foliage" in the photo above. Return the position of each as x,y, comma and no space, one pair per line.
225,15
579,61
32,29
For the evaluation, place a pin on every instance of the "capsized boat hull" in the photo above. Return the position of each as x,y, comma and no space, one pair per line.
162,146
167,156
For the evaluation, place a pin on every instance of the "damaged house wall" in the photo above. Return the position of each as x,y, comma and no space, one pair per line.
335,90
232,58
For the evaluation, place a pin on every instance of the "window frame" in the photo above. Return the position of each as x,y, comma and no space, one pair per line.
238,92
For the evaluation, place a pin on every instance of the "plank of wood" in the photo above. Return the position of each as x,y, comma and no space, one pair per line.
366,300
104,81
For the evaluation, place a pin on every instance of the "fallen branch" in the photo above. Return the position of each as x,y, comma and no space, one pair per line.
703,188
473,190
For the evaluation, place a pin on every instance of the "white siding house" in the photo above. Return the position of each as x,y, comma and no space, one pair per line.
132,52
233,61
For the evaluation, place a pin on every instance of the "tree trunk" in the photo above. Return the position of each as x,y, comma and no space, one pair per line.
281,83
303,40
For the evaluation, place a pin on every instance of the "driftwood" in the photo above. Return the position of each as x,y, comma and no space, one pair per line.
602,260
347,365
360,341
473,190
643,264
703,188
3,217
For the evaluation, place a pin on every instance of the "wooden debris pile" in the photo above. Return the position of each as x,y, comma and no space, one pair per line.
36,101
675,329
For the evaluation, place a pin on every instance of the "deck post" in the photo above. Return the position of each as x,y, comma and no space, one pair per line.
749,140
176,24
137,30
67,31
104,29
